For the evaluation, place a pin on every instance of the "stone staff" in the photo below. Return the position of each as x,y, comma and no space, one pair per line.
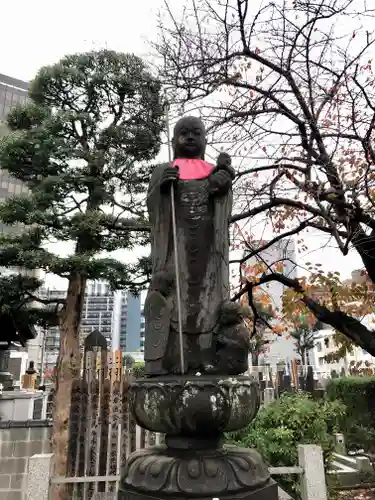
175,246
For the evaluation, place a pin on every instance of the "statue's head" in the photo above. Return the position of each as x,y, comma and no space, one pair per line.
233,313
189,138
162,282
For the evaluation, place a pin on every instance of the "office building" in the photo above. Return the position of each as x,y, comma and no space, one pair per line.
142,333
97,313
12,92
116,314
280,348
126,327
281,252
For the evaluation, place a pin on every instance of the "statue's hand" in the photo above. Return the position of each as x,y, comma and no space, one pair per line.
224,162
169,176
220,182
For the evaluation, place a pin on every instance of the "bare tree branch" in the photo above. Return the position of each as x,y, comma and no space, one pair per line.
289,90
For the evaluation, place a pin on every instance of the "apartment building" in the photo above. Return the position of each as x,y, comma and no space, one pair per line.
325,344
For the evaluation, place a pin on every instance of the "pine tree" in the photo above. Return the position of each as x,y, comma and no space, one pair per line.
20,312
81,144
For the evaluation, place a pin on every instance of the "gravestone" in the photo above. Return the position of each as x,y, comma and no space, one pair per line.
28,380
286,383
6,378
310,382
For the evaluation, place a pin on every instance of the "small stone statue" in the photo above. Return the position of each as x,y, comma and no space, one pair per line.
31,369
157,311
203,204
232,342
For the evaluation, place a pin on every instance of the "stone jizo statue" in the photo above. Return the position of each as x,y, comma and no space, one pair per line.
203,204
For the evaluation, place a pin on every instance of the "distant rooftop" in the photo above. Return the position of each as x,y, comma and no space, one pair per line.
14,82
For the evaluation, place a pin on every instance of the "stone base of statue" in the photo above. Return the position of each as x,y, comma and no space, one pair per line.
194,412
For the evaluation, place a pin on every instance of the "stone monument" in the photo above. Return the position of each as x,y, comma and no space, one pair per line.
17,327
196,343
28,380
6,378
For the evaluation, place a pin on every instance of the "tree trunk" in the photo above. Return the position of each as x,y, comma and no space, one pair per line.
67,371
364,244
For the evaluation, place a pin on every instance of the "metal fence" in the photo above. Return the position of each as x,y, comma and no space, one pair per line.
41,483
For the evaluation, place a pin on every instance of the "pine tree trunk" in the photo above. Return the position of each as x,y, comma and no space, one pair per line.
67,371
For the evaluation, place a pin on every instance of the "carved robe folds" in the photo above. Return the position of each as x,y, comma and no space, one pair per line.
202,237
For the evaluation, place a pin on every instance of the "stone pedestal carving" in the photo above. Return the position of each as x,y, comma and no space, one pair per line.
6,378
194,412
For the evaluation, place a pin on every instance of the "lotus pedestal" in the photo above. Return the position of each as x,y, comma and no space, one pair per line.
194,413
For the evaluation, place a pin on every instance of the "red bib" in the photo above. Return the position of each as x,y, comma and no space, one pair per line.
192,169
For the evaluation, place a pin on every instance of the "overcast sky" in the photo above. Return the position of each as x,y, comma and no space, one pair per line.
40,32
34,34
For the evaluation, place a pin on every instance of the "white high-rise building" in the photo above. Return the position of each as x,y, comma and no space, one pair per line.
280,348
281,252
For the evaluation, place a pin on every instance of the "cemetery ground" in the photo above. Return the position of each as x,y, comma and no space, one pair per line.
291,417
368,494
338,420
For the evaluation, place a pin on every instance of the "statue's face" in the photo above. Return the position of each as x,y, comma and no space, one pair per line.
189,138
